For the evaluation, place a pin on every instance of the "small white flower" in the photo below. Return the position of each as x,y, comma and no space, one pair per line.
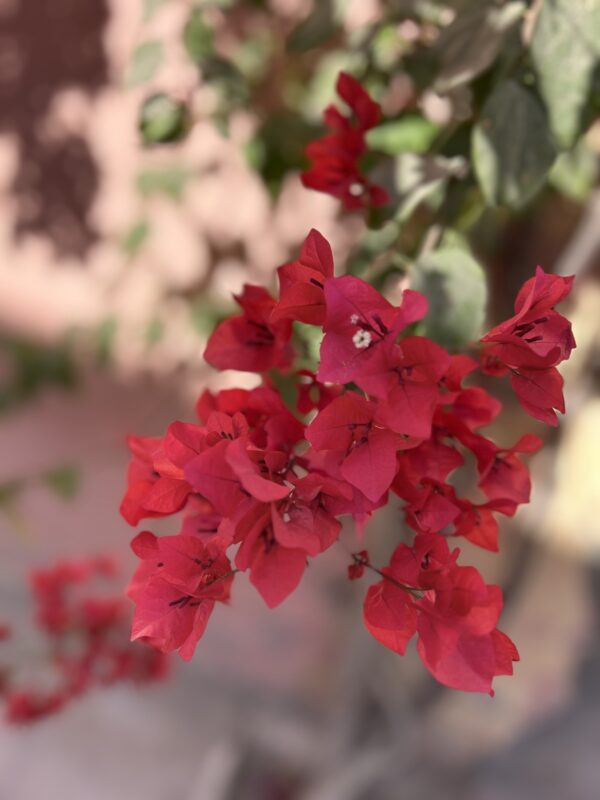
286,517
354,319
356,189
361,339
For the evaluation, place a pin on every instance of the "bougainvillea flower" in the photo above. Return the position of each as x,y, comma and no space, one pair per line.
540,392
301,282
366,112
453,611
474,407
211,475
431,459
275,570
536,326
155,487
260,472
251,342
478,524
175,589
197,567
253,476
503,476
367,449
359,325
302,521
335,167
407,385
532,343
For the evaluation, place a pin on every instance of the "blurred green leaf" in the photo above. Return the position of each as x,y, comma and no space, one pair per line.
575,173
411,133
9,492
197,37
63,481
387,47
162,120
512,147
565,49
314,30
253,55
309,337
455,287
135,238
105,337
170,181
32,366
155,330
470,44
144,62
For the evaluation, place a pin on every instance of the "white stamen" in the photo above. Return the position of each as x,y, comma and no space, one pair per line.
354,319
361,339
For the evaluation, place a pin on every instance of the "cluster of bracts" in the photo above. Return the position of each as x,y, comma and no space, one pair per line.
387,412
86,641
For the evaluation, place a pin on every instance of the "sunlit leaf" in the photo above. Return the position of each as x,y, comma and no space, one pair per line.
565,49
410,134
455,287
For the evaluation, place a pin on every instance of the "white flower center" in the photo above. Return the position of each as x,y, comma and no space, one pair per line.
361,339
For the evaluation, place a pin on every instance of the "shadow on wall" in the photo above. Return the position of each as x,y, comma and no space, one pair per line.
46,47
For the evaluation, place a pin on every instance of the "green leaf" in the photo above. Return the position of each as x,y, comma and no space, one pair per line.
170,181
575,173
64,481
410,134
470,44
144,62
455,287
134,238
197,37
162,120
512,147
565,49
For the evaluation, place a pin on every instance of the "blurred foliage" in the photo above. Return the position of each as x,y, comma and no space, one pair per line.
28,367
490,111
144,63
162,120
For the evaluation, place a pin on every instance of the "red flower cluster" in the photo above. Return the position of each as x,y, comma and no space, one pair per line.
335,158
532,343
88,638
387,411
